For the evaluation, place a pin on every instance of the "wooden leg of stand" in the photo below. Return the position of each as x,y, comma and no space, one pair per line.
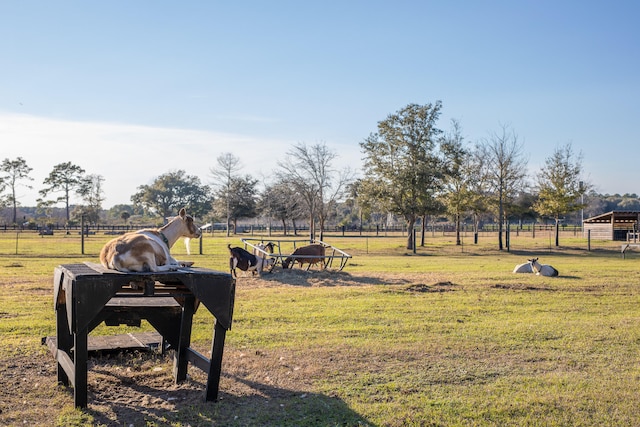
64,341
215,367
181,357
80,355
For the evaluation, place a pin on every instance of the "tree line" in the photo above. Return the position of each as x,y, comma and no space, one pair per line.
412,170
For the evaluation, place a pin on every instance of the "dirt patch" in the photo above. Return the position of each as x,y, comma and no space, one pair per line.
29,394
436,287
14,265
302,278
521,287
5,315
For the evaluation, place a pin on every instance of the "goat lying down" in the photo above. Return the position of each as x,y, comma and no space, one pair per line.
542,269
246,261
311,254
148,250
533,266
523,268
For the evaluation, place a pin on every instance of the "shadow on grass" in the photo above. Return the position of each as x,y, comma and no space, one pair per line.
565,252
315,277
123,401
270,405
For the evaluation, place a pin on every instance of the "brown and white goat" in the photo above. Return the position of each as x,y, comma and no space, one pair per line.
148,249
311,254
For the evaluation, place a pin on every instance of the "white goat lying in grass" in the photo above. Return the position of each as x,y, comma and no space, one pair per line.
542,269
523,268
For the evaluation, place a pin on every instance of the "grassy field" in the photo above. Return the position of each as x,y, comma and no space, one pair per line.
446,336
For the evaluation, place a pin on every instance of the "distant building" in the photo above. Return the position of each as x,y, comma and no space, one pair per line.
614,225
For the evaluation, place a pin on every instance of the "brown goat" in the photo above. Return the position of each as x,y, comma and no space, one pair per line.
311,254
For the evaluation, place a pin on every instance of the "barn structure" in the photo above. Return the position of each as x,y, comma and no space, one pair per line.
614,225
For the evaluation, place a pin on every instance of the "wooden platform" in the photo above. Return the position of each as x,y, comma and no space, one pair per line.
104,343
86,295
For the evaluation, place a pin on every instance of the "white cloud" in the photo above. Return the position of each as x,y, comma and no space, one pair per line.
128,156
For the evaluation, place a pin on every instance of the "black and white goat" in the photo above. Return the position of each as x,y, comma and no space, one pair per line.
246,261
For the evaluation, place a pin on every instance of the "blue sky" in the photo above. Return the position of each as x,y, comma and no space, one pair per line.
132,90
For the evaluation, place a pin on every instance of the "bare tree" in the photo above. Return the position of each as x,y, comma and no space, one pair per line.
505,171
225,173
477,195
280,201
457,185
308,171
92,194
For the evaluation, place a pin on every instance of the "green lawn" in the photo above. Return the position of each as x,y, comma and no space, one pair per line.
445,336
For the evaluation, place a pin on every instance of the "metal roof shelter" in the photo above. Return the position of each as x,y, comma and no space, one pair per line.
614,225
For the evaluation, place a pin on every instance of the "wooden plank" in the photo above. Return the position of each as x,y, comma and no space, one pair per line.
118,342
119,301
65,362
198,360
142,341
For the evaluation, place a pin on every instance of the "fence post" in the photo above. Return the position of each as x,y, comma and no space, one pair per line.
414,240
507,235
82,233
